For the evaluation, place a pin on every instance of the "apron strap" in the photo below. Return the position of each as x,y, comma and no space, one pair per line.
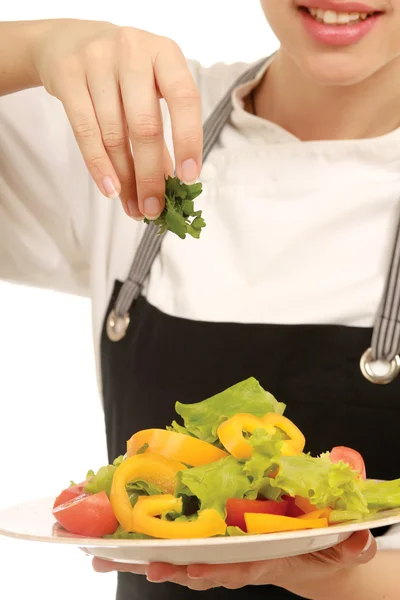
381,362
149,246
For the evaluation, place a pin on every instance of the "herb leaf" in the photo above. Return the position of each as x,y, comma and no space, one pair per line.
179,215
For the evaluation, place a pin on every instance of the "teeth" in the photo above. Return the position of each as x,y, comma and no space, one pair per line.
331,17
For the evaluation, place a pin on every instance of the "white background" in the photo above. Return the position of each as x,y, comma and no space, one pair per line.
51,423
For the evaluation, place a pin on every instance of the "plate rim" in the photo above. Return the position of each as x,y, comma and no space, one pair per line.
75,540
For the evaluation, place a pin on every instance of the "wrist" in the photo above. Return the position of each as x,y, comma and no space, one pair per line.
33,33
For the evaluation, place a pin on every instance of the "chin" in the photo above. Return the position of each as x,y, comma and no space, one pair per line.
337,68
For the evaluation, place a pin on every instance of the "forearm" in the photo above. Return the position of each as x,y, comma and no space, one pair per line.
377,580
17,39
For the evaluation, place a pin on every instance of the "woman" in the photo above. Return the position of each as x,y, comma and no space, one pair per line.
301,199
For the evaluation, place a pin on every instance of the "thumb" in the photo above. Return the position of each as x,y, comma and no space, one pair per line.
358,549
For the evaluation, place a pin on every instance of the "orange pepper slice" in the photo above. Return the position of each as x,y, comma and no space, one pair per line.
263,523
176,446
304,504
145,512
323,513
152,468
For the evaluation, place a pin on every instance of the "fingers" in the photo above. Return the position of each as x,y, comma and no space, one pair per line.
232,576
105,566
359,549
112,100
156,573
177,86
81,114
143,114
106,98
161,572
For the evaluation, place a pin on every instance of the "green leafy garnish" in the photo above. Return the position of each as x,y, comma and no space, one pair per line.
179,214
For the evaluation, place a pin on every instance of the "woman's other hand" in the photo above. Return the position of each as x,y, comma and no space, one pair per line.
316,576
110,80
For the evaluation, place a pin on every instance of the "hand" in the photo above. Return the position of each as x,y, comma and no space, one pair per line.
110,80
310,576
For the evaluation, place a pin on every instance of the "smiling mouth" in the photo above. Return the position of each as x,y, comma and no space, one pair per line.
331,17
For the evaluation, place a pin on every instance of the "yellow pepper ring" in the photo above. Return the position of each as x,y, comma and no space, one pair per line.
144,520
178,446
230,434
153,469
296,442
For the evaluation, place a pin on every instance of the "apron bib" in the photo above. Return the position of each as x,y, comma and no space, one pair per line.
314,369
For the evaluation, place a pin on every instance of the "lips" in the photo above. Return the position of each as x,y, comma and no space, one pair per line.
337,28
356,7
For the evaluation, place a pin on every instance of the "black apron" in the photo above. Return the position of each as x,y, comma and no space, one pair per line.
150,360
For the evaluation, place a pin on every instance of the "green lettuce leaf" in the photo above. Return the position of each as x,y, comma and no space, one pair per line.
121,534
382,495
141,488
264,460
234,532
102,480
341,516
178,429
213,483
321,481
203,418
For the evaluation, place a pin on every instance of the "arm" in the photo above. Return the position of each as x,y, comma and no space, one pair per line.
377,580
17,71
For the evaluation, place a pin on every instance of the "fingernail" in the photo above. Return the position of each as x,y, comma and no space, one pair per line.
193,573
133,211
190,171
155,580
368,544
109,187
152,208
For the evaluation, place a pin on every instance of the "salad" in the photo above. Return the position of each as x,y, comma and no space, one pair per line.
235,466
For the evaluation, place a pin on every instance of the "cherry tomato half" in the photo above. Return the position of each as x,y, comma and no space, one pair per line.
89,515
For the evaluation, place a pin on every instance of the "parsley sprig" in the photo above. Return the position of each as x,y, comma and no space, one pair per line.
179,214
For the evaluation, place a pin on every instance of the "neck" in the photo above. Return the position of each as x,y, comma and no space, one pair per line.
316,112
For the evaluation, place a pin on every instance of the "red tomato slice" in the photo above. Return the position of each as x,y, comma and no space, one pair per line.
349,456
88,515
292,509
70,493
236,509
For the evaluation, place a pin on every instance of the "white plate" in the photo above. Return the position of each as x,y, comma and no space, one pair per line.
33,521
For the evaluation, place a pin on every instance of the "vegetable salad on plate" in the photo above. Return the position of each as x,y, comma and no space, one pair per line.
236,466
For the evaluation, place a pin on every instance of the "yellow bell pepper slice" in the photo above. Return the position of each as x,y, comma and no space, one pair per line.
230,433
152,468
323,513
263,523
148,508
177,446
296,442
